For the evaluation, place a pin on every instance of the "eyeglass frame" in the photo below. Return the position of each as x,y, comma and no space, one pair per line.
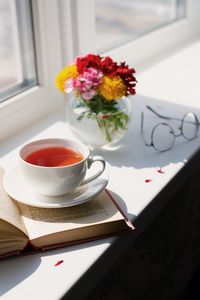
169,126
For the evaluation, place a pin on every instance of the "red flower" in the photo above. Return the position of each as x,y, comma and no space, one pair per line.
88,61
126,74
108,66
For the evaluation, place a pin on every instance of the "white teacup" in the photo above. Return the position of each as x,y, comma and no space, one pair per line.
58,180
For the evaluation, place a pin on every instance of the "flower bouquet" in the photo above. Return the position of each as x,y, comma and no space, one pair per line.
99,84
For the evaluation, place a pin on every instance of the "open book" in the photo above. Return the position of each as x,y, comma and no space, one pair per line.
24,227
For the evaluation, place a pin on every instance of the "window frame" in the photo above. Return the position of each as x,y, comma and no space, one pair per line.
24,49
159,42
31,105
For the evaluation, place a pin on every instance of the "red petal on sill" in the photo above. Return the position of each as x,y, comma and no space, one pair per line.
160,171
148,180
59,262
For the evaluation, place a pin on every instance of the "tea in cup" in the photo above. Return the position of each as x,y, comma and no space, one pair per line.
54,167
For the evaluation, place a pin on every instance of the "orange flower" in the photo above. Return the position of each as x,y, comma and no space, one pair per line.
112,88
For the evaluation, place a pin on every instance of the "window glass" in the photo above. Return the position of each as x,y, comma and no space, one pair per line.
17,58
119,21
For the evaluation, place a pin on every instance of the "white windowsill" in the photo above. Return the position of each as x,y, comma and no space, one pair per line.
171,84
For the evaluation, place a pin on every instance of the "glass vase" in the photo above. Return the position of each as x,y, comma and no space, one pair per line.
102,130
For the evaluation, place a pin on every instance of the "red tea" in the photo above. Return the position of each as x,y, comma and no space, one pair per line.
54,157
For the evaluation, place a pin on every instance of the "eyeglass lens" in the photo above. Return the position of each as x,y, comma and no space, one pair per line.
190,126
163,137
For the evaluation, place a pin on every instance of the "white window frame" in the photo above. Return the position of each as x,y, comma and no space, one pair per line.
145,49
66,28
29,106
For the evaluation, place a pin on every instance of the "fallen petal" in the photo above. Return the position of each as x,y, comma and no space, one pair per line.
58,263
148,180
160,171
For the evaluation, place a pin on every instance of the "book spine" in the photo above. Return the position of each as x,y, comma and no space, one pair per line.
78,242
15,253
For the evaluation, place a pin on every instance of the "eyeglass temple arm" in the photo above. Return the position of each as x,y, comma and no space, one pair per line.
161,116
142,123
141,129
167,118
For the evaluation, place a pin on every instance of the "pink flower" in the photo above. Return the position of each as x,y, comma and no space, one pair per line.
89,95
88,82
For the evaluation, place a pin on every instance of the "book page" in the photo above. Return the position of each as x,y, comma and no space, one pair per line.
45,221
9,211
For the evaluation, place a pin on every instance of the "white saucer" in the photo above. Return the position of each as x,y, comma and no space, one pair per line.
16,187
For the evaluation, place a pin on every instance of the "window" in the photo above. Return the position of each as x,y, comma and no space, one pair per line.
17,57
119,21
31,57
158,27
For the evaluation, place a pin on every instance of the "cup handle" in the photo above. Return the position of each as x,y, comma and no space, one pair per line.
92,160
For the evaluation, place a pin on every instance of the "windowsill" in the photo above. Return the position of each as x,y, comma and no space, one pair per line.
26,109
175,78
171,85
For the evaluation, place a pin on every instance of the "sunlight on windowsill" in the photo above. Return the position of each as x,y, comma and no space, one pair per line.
174,79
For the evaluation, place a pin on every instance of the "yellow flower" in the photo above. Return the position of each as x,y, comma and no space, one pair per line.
112,88
63,75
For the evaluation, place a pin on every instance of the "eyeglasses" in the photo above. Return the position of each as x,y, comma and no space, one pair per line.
163,135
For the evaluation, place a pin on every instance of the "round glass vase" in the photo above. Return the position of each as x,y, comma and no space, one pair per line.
102,130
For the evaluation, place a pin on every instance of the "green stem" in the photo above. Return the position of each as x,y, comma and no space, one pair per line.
106,129
116,122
